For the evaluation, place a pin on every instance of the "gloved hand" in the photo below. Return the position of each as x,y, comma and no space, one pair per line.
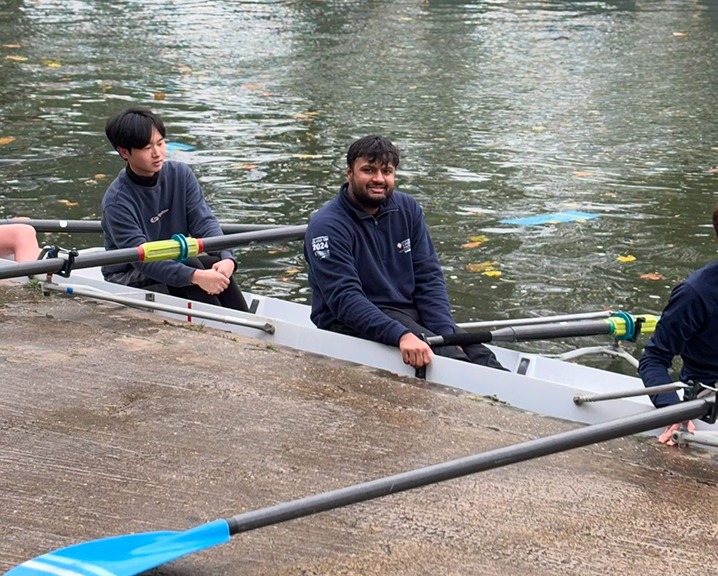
667,436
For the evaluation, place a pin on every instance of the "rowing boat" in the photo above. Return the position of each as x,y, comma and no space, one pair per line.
534,382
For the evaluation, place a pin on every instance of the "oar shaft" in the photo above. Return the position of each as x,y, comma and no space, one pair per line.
81,226
650,391
471,464
615,326
168,248
536,320
524,333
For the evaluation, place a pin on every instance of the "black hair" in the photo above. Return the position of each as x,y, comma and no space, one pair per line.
132,128
373,148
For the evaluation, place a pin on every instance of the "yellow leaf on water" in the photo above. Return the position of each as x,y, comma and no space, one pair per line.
100,176
680,34
292,271
653,276
14,58
11,46
306,115
581,174
67,203
6,140
627,258
51,64
480,238
472,245
493,273
482,266
160,96
538,128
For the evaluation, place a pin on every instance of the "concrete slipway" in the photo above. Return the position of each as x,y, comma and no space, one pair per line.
114,421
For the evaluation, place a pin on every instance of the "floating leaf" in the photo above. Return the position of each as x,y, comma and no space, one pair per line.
6,140
480,238
493,273
306,115
67,203
653,276
538,128
580,174
160,96
680,34
309,156
627,258
100,176
474,244
482,266
11,46
14,58
51,64
248,167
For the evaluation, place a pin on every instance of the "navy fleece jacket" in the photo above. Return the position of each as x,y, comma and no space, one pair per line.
133,214
688,327
358,263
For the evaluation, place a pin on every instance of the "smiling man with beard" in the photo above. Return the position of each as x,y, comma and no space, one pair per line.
373,269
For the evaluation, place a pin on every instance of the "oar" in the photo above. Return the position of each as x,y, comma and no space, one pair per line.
75,226
535,320
135,553
150,252
623,327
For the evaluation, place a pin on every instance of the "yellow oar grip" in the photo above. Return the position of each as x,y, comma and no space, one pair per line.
648,324
168,250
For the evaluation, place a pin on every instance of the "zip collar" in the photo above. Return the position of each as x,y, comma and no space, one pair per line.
389,206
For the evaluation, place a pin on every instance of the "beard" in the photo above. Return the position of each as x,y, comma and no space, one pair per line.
365,198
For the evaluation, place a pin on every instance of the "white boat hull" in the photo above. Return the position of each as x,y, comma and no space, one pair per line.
535,383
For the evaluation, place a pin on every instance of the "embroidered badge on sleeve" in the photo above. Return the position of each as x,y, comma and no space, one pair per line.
320,247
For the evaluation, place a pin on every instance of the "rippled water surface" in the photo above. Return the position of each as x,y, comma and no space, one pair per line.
502,109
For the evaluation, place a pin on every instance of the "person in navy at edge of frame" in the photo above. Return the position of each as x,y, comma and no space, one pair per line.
373,269
688,328
153,199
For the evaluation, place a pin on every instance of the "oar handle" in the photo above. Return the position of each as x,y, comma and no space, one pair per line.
469,465
459,339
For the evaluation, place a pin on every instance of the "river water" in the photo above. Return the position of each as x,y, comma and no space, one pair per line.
502,109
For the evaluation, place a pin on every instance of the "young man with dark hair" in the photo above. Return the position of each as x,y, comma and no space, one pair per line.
688,327
153,199
373,268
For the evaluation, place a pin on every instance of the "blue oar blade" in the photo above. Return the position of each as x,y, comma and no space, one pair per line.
124,555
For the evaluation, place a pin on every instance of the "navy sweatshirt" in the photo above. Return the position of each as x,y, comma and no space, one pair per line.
359,262
688,327
133,214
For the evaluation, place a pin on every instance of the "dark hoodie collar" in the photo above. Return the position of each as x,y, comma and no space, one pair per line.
147,181
388,206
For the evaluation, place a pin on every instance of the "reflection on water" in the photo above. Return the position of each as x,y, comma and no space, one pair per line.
502,109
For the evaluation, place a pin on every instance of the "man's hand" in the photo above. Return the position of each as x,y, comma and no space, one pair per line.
211,281
414,351
224,267
667,436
